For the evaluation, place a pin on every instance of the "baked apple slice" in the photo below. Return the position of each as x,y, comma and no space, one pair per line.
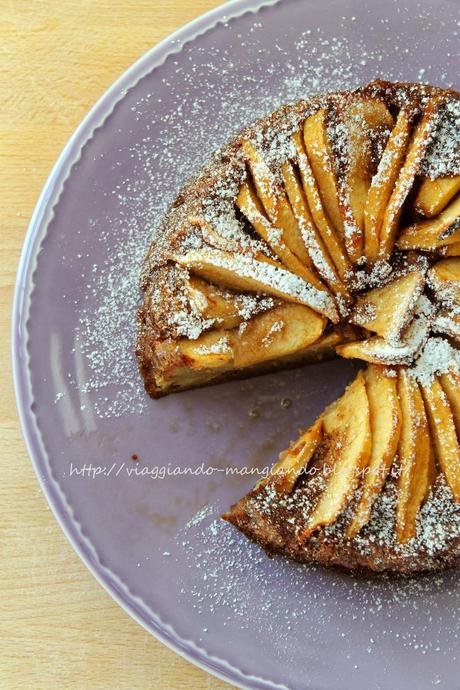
385,421
222,307
331,240
236,241
444,279
324,348
321,159
285,330
451,250
450,383
250,274
429,235
411,167
316,248
348,454
361,127
293,461
182,363
383,183
447,323
344,189
414,457
251,207
377,350
388,310
443,434
210,349
434,195
275,202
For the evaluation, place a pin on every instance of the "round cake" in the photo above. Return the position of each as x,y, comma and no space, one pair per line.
330,227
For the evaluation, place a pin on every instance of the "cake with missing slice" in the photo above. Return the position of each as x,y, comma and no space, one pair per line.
330,228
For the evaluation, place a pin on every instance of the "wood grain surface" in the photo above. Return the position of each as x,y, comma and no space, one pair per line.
59,629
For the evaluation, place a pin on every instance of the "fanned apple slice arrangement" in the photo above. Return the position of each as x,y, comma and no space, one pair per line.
331,227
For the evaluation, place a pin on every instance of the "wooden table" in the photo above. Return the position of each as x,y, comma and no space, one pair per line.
59,629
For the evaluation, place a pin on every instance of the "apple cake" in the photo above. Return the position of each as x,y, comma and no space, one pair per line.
330,227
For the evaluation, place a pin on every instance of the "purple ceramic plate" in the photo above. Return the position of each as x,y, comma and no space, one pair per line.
149,528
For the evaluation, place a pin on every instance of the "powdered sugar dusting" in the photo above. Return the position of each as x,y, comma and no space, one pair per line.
220,347
443,154
437,357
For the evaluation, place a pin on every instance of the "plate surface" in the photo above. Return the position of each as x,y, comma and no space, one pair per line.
149,528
